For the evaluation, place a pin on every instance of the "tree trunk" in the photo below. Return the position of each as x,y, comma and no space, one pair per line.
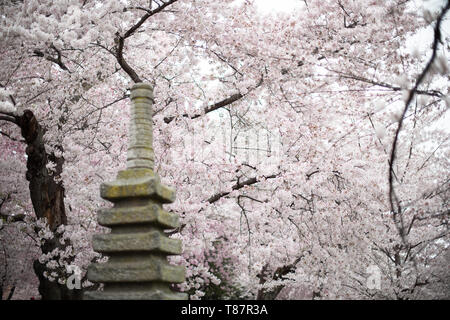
271,294
279,274
47,197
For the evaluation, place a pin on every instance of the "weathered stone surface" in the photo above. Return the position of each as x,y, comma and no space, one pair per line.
141,270
151,213
137,295
140,136
139,152
140,162
132,242
140,90
135,183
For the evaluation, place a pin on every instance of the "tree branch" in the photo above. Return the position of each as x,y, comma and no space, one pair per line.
56,60
223,103
393,200
218,105
120,40
238,186
279,274
9,118
432,93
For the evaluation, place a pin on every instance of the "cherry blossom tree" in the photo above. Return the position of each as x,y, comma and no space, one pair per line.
352,174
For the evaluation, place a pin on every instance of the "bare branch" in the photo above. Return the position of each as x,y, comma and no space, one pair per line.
120,40
279,274
432,93
218,105
57,60
9,137
150,13
223,103
238,186
9,118
393,200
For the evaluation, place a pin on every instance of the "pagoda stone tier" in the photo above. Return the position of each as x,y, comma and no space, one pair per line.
137,246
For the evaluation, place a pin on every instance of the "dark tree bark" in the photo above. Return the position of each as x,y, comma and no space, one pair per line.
279,274
47,197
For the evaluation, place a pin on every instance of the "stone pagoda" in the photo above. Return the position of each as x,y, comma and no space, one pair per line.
137,246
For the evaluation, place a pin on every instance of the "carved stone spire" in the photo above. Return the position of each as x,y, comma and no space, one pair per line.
137,246
140,138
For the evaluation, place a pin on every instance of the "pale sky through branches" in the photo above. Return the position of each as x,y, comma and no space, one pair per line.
267,6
